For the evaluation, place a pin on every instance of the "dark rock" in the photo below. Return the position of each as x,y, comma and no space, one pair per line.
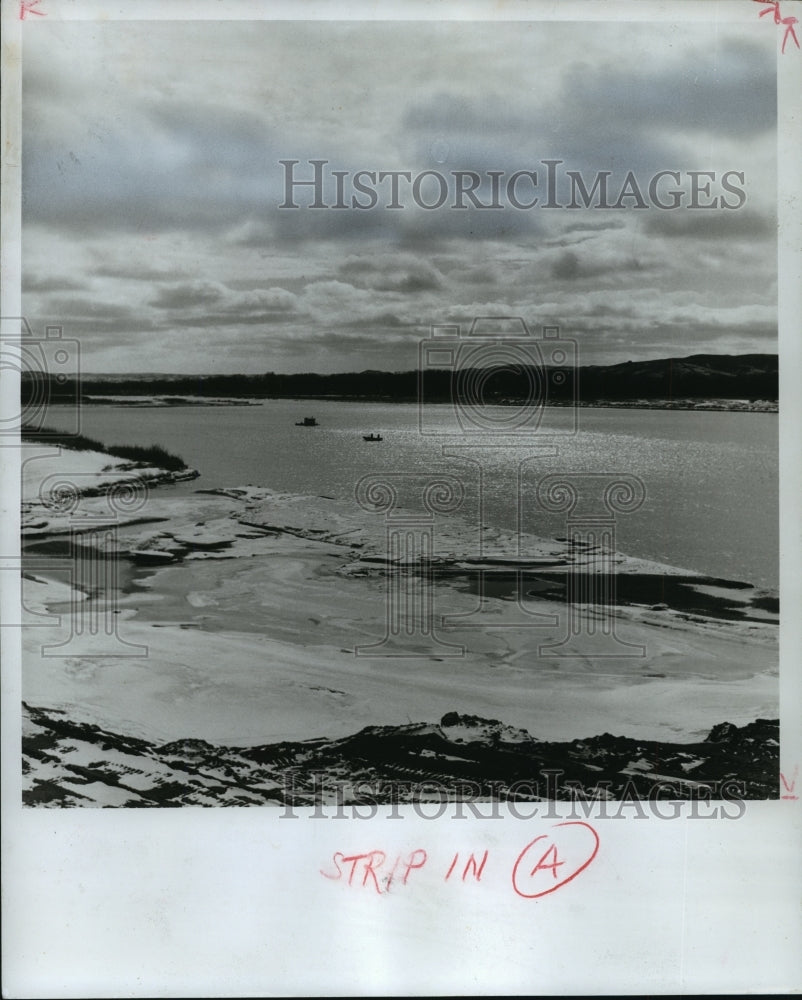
398,763
723,731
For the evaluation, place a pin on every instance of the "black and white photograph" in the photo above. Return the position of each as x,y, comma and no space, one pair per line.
399,435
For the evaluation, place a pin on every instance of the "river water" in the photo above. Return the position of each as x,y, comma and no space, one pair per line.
710,478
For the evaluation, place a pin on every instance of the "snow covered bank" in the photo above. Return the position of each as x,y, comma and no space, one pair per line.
59,483
461,758
257,617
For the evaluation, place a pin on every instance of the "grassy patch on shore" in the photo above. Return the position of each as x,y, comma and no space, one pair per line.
151,455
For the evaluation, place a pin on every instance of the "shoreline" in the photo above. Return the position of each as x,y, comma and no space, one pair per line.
250,605
704,405
168,401
456,759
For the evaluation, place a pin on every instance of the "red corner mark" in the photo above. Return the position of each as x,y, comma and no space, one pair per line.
790,787
29,7
789,22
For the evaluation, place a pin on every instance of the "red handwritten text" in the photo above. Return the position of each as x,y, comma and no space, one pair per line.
551,860
364,868
773,8
471,866
545,864
790,786
29,7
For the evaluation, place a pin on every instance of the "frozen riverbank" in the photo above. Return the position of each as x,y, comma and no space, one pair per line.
252,617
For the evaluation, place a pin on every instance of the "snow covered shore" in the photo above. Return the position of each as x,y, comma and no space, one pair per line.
256,617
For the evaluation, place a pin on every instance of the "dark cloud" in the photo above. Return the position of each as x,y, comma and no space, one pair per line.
102,330
566,267
570,266
392,273
171,166
152,183
46,283
594,226
209,304
138,271
383,320
234,319
704,224
412,283
731,91
83,308
488,273
452,116
187,296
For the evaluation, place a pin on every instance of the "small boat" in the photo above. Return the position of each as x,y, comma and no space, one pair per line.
306,422
372,437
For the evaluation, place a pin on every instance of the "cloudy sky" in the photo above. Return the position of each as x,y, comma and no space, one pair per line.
151,186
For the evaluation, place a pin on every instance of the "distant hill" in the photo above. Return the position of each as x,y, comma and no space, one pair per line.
698,377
